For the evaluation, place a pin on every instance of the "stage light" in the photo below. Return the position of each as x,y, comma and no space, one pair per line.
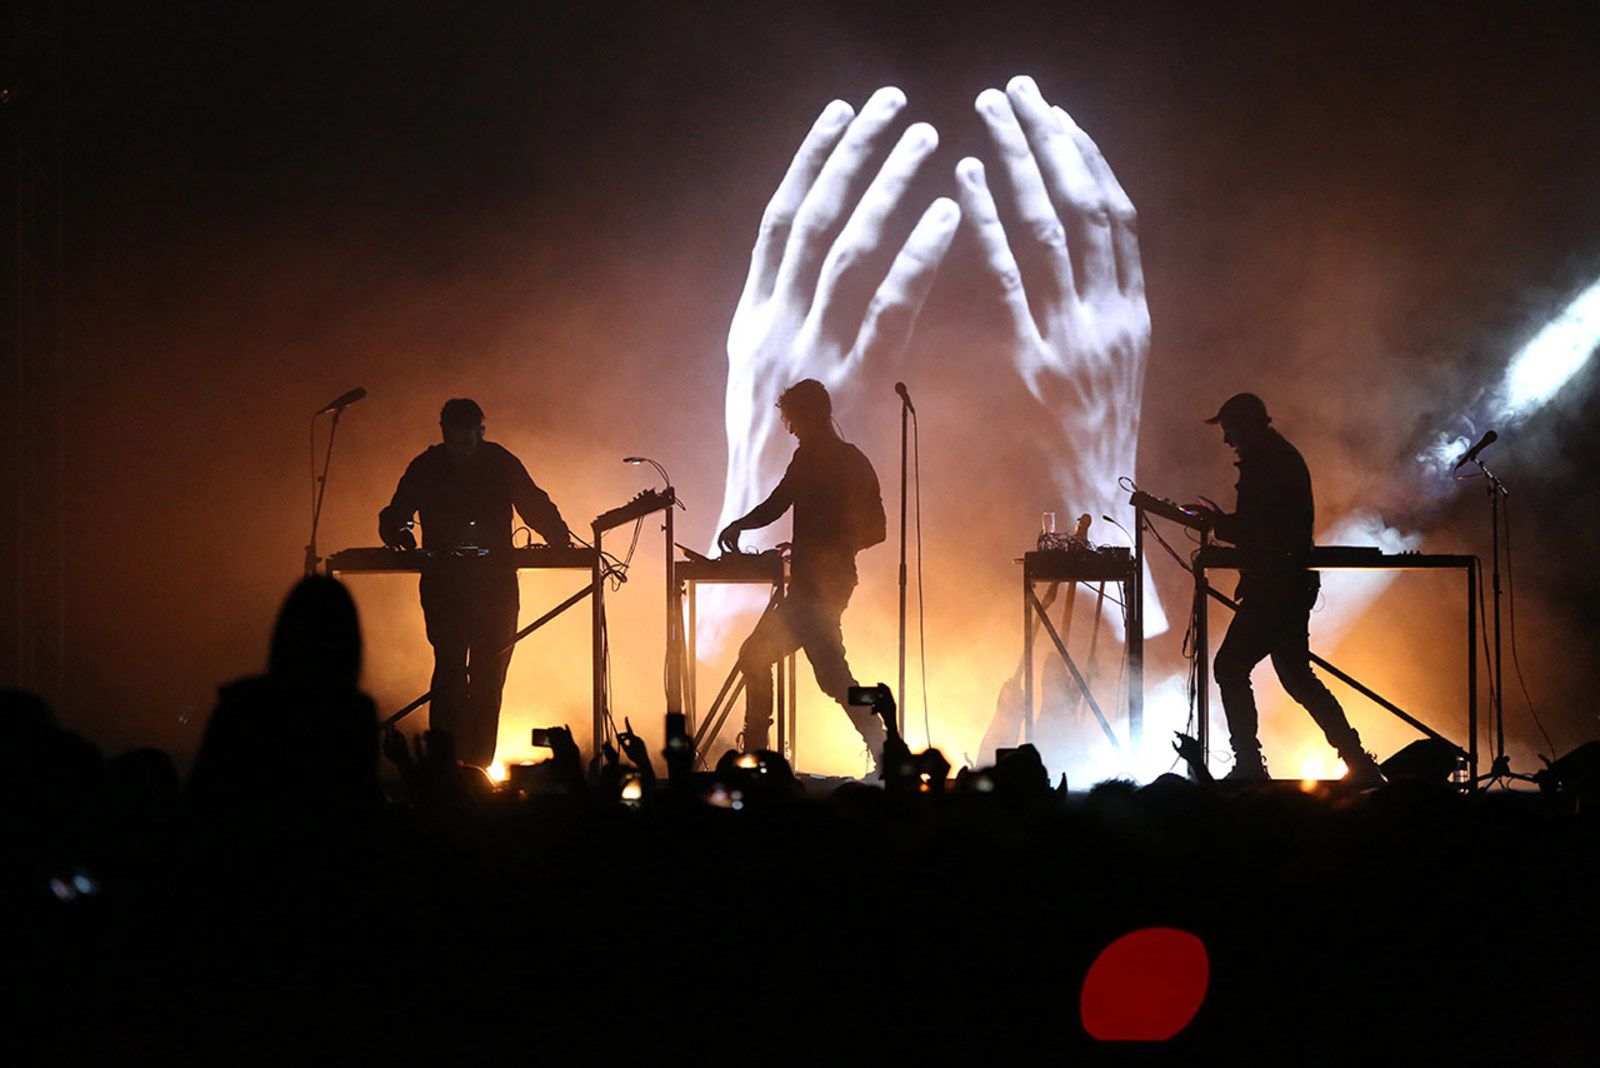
1146,986
1321,766
1555,354
1533,377
497,772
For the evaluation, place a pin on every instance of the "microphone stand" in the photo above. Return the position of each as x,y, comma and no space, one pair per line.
905,416
1499,767
312,559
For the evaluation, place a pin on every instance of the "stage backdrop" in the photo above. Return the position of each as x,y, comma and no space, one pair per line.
1360,213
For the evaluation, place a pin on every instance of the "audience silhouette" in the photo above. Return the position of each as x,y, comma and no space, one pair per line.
301,741
289,909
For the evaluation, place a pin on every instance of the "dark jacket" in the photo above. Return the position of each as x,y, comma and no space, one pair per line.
838,510
470,504
1275,515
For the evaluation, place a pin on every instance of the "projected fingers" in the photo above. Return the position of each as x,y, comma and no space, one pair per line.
858,258
1046,236
978,205
1076,194
1124,219
825,204
894,309
778,219
1063,244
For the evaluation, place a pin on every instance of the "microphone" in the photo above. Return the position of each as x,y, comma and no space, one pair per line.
1489,438
341,402
900,388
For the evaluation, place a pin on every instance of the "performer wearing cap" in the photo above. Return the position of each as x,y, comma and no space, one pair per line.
1273,524
838,511
464,490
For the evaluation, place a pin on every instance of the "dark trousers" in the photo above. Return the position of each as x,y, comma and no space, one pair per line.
470,618
1274,620
807,619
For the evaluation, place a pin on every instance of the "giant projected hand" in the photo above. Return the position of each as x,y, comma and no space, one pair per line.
829,289
1081,330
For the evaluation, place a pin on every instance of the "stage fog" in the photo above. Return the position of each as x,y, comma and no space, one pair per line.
1361,217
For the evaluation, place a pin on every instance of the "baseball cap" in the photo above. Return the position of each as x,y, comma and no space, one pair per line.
1242,408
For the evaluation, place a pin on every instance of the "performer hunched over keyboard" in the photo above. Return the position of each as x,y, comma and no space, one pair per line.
464,490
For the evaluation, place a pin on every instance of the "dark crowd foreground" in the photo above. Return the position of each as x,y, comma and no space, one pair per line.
283,904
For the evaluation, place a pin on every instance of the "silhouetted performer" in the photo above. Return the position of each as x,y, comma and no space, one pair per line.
464,491
1273,525
838,511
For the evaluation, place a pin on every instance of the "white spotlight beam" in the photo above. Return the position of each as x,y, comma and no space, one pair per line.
1532,379
1549,361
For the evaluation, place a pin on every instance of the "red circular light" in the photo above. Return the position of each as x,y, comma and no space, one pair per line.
1146,986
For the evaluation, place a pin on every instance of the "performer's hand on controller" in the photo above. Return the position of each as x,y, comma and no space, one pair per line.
1204,509
399,538
728,540
1081,329
830,286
